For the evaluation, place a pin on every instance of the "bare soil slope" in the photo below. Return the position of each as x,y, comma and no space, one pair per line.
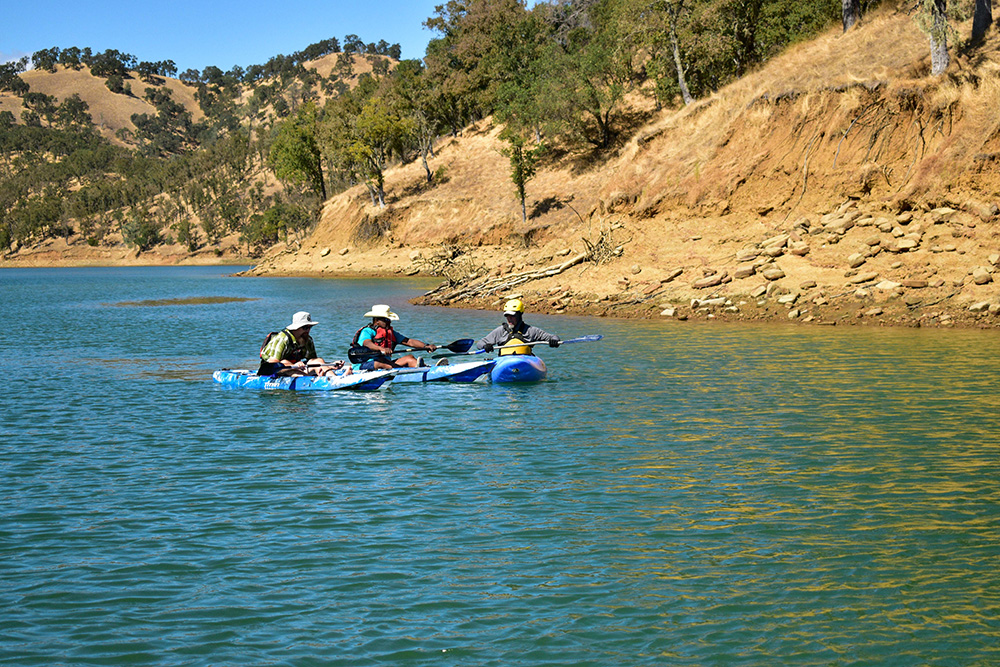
840,183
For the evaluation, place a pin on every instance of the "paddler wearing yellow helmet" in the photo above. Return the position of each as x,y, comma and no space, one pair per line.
511,336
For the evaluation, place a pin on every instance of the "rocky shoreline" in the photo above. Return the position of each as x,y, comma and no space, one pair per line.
937,267
848,267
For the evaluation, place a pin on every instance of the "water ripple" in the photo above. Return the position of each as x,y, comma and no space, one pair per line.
674,495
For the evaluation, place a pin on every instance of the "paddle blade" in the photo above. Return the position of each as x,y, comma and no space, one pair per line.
583,339
461,346
361,354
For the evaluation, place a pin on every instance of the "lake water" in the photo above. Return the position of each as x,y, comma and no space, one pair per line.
676,494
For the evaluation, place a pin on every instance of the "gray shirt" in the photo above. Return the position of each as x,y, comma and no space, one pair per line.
502,334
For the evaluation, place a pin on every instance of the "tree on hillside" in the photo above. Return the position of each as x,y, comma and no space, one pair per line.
190,76
70,57
515,65
656,26
523,165
10,79
851,10
170,131
932,19
982,20
112,62
589,78
46,59
414,94
73,113
295,154
380,133
41,104
148,72
471,31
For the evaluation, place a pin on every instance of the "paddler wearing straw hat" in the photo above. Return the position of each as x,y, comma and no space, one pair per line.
379,335
511,335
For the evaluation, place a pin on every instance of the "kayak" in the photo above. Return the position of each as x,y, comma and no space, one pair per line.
365,381
518,368
468,371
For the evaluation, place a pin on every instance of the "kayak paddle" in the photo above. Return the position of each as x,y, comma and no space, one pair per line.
582,339
360,354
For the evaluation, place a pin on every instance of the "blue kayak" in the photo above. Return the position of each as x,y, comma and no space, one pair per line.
518,368
365,381
468,371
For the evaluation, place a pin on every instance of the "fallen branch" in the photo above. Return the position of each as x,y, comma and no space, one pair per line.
506,283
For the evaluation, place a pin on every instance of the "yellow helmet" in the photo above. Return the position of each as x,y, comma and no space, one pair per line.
521,349
513,307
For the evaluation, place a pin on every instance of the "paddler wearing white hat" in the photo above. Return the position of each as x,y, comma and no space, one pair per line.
291,351
379,336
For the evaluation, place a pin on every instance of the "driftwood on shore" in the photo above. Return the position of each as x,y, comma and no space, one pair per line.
491,286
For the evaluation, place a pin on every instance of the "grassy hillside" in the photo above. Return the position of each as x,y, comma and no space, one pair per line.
870,186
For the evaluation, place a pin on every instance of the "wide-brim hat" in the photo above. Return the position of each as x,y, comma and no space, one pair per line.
301,319
382,310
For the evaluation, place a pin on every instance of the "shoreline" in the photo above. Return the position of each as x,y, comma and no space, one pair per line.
598,290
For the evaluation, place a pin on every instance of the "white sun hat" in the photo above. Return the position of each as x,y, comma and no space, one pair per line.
301,319
382,310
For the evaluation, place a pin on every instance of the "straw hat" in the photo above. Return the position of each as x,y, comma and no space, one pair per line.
382,310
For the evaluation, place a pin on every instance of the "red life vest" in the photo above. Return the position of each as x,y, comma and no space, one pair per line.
383,337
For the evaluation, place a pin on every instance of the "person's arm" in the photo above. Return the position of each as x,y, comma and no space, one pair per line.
366,339
418,344
490,340
275,350
534,334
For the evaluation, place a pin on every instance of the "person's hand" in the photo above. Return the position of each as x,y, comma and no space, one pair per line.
488,347
553,343
385,350
432,347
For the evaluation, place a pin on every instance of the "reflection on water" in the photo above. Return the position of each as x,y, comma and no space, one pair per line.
674,494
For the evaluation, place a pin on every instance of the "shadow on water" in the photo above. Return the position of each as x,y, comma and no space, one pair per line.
190,301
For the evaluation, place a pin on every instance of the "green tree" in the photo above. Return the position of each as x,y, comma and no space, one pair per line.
43,105
414,94
46,59
380,133
523,165
295,154
141,231
590,77
73,112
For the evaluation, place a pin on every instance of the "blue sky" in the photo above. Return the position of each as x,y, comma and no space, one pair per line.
198,33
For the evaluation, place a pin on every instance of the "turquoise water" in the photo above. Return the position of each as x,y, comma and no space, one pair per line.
676,494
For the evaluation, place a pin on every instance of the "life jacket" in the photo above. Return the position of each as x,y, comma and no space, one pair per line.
294,352
383,337
521,349
513,339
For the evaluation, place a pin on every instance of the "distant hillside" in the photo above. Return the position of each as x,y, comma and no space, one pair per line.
105,150
112,112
